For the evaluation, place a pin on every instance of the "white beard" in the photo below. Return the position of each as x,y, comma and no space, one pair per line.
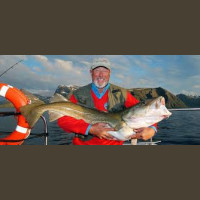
100,86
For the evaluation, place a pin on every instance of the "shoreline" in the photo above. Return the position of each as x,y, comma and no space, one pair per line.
184,109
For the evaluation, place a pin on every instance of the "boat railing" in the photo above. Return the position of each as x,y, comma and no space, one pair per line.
34,135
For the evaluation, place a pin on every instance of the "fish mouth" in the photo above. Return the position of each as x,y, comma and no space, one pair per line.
166,116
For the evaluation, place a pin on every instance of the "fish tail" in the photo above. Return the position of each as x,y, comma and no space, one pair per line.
32,113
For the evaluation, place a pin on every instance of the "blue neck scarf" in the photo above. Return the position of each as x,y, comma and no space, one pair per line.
96,91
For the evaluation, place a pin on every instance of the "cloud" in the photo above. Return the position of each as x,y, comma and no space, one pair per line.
196,86
188,92
37,69
58,65
120,76
47,77
41,58
63,65
41,92
7,61
86,63
45,73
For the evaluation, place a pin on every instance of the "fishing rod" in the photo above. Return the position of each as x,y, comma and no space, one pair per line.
10,68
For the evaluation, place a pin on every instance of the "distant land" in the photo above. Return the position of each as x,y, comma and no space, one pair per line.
172,101
190,101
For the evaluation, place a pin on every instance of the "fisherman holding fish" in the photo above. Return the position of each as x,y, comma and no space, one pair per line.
106,97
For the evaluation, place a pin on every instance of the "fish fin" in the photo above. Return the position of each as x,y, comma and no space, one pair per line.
120,125
57,98
122,134
54,116
31,113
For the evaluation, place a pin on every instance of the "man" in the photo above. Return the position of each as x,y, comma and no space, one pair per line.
103,96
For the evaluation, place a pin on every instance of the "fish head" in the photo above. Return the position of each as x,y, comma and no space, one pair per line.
157,107
145,115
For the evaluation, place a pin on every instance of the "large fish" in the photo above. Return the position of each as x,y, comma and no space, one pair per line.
123,122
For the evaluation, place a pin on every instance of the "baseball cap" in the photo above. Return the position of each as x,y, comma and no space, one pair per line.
101,62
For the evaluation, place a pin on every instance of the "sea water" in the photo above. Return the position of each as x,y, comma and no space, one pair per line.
181,128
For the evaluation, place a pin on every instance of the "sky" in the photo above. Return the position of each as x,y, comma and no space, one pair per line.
43,73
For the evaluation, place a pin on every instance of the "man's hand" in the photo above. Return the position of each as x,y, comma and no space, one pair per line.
143,133
100,130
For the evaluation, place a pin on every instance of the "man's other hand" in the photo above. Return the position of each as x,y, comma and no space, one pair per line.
143,133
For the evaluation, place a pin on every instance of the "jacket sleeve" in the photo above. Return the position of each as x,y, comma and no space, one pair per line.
72,125
132,101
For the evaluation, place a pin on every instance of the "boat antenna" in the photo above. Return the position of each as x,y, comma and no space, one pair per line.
10,68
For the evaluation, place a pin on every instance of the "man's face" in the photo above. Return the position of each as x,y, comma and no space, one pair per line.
100,76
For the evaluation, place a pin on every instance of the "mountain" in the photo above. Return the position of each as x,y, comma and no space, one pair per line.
140,93
65,90
190,101
172,101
